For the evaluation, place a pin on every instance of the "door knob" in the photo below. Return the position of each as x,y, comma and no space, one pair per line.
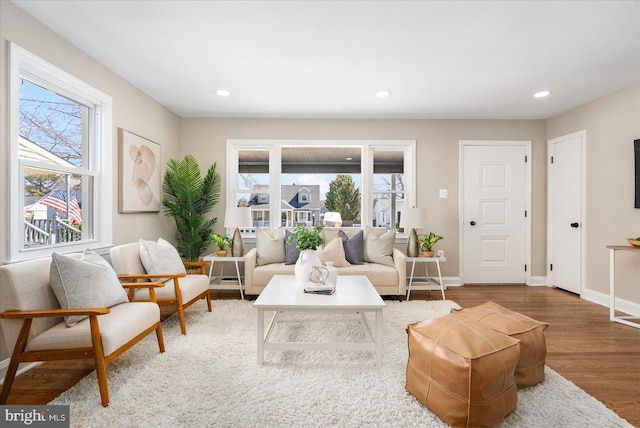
575,225
473,223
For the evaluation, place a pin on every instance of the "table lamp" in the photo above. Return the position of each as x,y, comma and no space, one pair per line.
240,218
413,218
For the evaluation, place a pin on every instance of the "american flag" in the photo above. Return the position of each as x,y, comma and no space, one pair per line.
58,201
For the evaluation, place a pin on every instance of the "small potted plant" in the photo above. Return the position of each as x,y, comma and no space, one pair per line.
426,243
223,242
307,241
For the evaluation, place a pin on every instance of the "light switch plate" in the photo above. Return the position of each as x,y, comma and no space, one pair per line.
444,193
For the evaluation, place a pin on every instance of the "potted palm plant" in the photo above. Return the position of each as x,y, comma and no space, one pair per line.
426,243
187,197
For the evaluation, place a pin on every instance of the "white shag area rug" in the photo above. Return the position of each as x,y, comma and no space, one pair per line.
210,378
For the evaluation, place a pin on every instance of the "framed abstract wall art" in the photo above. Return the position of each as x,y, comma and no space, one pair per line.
139,174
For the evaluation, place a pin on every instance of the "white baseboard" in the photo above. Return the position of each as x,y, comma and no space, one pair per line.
538,281
603,299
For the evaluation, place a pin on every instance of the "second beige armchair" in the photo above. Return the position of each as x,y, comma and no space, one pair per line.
159,261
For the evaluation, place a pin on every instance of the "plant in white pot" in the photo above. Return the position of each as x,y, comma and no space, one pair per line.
307,241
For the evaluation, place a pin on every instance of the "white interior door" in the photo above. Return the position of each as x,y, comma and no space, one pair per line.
566,211
494,193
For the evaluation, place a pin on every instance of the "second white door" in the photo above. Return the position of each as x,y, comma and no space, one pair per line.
494,213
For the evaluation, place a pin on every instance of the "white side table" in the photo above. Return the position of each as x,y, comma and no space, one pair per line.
425,260
629,320
214,258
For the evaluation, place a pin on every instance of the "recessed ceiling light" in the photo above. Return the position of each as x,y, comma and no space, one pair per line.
383,94
223,92
349,159
542,94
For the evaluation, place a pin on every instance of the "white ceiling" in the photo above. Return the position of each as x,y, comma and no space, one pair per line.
327,59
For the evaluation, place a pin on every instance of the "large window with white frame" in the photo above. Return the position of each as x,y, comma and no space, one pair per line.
285,182
59,160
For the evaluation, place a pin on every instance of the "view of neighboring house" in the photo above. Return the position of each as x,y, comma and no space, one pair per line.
383,210
298,204
44,224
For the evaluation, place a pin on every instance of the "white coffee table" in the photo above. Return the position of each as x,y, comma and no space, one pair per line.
354,294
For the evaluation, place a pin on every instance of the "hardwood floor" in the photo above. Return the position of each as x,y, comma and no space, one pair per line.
599,356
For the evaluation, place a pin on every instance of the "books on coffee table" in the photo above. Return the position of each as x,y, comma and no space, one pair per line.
326,289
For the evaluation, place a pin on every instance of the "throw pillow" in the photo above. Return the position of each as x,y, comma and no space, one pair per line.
270,248
333,251
378,249
353,247
291,252
87,282
160,257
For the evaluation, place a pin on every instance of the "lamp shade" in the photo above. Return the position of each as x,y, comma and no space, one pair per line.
239,217
413,218
332,219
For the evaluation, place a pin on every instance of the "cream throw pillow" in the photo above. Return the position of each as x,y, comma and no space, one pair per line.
378,249
87,282
160,257
270,247
333,251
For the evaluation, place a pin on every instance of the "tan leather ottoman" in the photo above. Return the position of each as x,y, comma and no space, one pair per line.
533,347
462,371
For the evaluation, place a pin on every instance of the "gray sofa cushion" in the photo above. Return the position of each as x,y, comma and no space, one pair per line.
88,282
353,247
290,250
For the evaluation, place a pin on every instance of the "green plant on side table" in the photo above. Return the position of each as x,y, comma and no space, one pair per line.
223,242
306,239
426,243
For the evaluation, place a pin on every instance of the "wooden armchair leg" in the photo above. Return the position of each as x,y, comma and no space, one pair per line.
160,337
183,325
12,369
208,297
101,366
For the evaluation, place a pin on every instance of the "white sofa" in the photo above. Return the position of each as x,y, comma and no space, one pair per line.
387,280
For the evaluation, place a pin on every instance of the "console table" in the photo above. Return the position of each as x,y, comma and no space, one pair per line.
624,319
214,258
425,260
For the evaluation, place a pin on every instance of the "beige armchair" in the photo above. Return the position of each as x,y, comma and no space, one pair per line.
32,323
182,290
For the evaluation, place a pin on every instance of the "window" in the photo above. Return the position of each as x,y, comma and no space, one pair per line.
367,182
59,160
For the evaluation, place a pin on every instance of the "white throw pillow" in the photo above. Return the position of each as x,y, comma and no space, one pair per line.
378,249
87,282
333,251
270,247
160,257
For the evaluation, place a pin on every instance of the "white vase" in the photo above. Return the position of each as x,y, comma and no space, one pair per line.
333,274
306,261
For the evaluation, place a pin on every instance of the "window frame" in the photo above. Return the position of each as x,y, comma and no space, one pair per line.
368,147
97,163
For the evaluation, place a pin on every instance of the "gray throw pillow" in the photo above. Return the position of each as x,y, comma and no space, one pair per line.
160,257
270,247
378,249
291,252
353,247
87,282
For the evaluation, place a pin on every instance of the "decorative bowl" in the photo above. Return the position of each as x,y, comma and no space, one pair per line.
634,242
